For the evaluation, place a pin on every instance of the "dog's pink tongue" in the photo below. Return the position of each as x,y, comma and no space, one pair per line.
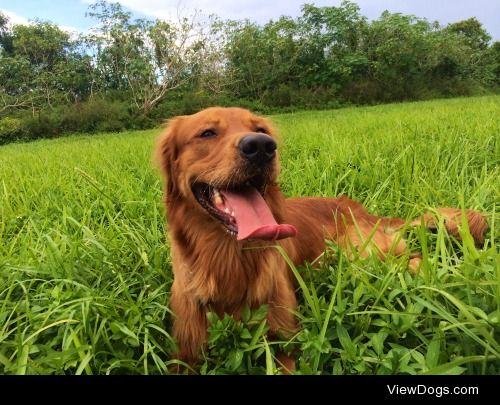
254,218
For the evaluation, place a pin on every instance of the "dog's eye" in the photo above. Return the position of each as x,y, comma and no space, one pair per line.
208,133
261,130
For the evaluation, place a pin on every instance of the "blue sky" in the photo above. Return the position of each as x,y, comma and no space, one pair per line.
68,12
71,13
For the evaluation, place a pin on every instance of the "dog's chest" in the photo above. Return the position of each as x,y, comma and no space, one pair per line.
234,278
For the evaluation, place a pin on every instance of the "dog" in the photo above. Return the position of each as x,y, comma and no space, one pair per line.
226,214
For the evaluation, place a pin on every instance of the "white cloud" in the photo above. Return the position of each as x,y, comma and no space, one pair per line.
73,32
261,11
14,18
255,10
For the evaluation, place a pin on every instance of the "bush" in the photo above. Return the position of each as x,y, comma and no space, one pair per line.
111,125
87,117
191,102
41,126
362,91
95,115
286,98
282,96
10,129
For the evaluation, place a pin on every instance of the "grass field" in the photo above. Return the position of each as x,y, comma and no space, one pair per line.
85,269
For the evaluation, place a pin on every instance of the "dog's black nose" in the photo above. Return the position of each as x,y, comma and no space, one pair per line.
257,149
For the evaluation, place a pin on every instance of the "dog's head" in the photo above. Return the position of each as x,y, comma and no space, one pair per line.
223,163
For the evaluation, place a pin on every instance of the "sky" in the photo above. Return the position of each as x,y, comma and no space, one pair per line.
70,14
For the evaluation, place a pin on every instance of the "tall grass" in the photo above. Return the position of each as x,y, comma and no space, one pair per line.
85,269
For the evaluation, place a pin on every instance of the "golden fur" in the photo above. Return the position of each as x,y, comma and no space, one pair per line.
214,271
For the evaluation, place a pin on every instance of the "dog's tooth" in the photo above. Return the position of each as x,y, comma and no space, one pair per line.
232,213
226,210
217,197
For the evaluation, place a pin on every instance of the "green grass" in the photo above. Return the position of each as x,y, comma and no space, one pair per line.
85,269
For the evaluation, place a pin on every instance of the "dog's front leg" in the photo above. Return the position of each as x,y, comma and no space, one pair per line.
190,325
282,322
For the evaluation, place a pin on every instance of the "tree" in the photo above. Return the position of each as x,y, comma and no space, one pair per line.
261,59
41,69
146,58
211,74
494,53
399,49
16,78
472,31
320,49
334,38
5,35
474,40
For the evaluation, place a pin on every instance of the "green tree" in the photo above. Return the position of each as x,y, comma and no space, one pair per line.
263,58
5,35
472,31
494,54
479,61
144,58
320,49
16,84
398,48
42,69
334,38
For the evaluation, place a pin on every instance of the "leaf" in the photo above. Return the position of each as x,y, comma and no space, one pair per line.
212,318
259,332
346,341
234,359
337,368
55,292
433,351
358,293
22,360
245,334
115,327
269,359
378,342
479,312
260,313
83,364
419,357
245,315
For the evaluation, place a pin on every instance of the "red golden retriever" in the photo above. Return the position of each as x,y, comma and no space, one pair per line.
225,213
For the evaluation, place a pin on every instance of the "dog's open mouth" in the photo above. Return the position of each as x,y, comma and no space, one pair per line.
243,211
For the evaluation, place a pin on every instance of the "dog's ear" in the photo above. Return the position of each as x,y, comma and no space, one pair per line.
166,154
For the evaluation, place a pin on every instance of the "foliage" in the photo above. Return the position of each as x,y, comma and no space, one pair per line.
42,68
494,58
472,31
326,57
9,127
148,59
85,266
238,347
